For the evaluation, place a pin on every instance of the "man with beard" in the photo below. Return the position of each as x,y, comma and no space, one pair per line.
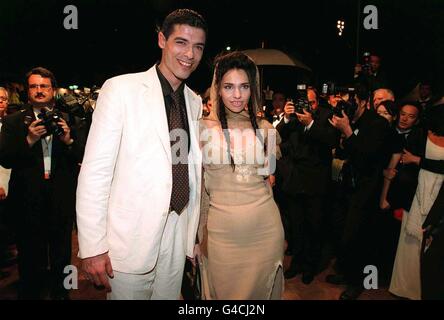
44,155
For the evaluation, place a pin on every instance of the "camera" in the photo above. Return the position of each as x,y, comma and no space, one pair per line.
300,101
349,108
50,119
366,66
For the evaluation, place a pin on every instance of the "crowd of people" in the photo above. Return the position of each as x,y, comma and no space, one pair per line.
163,175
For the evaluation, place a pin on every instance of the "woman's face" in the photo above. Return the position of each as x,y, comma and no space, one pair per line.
382,111
235,90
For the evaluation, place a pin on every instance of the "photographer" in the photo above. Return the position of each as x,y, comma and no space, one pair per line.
365,136
369,73
43,151
308,140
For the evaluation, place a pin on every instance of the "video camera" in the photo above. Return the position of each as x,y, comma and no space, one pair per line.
79,106
300,101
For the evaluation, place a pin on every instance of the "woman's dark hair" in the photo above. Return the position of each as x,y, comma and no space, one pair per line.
434,119
44,73
390,106
183,16
240,61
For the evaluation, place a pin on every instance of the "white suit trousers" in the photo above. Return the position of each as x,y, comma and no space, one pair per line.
165,280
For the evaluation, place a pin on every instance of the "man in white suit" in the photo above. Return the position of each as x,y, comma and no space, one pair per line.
137,208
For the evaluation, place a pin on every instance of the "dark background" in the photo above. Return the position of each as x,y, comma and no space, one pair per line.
116,37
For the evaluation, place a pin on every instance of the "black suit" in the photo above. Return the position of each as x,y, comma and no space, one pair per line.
403,187
44,209
308,154
366,152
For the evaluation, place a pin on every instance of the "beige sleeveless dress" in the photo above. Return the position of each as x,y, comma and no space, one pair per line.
244,238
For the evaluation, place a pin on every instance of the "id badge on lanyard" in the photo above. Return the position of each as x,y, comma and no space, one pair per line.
47,147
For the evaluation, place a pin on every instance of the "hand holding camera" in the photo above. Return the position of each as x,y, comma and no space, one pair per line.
289,109
65,137
36,130
49,122
342,124
305,118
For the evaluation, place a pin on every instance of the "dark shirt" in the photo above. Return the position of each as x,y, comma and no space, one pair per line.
309,154
167,91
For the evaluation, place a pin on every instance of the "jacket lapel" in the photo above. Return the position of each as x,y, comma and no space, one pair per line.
153,97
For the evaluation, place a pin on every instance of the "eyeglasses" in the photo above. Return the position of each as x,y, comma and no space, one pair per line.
42,86
4,99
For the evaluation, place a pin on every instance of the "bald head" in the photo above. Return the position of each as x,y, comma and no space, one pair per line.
382,95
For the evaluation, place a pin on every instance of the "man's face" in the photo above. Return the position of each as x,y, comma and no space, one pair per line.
40,91
312,99
408,116
375,63
278,102
333,100
3,102
381,95
425,91
181,52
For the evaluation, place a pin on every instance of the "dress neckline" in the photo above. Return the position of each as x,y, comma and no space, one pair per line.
241,116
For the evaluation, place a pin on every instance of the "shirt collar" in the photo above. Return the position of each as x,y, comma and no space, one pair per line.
403,131
166,86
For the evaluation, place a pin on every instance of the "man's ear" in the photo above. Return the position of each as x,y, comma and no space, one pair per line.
161,40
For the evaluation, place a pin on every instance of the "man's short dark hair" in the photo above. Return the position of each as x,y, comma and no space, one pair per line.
415,104
183,16
44,73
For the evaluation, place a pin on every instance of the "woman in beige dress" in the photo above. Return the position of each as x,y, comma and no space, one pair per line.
243,242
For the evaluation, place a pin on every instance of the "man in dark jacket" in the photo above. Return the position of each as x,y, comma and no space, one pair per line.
44,155
307,142
365,146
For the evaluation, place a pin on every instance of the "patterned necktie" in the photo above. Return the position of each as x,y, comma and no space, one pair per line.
181,192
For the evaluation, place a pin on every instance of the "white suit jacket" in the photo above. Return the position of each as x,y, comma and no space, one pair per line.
125,182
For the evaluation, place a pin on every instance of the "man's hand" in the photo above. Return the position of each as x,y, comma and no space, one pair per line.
98,269
271,180
342,124
408,158
305,118
197,254
35,132
2,194
66,136
288,109
384,204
